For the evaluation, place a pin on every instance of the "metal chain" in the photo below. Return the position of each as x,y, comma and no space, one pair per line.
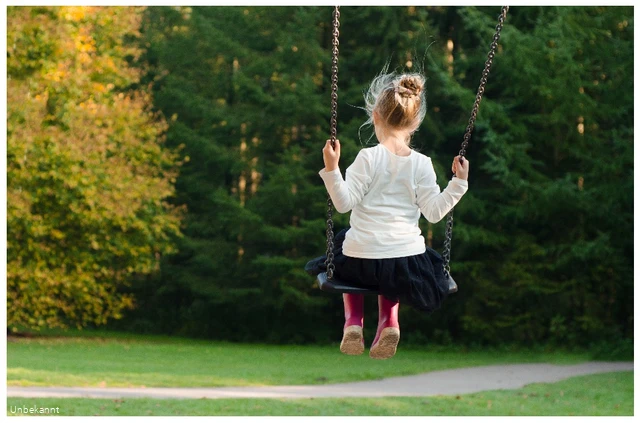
333,132
446,255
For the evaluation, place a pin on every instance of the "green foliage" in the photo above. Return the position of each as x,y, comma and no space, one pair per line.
235,100
542,247
567,274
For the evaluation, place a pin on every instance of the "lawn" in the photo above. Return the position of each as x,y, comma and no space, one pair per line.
600,394
125,360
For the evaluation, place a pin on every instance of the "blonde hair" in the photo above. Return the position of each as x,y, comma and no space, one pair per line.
398,99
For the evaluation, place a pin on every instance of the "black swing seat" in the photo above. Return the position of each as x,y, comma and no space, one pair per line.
314,268
336,286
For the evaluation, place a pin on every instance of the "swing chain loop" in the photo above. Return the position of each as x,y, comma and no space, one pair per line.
329,261
334,123
334,73
446,255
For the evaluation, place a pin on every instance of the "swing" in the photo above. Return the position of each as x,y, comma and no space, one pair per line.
326,281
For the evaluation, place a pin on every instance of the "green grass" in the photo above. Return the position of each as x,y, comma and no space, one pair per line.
121,360
601,394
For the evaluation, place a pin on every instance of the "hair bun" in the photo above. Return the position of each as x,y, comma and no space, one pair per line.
399,101
409,86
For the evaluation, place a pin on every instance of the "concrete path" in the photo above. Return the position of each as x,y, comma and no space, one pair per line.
443,382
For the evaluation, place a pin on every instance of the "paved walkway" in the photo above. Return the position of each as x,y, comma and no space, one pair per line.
443,382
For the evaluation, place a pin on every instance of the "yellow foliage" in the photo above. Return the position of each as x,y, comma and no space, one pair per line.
87,174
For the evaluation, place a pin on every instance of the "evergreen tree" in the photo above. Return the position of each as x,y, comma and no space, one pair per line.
542,242
244,89
541,247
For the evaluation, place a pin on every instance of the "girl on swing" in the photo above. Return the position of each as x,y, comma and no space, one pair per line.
387,187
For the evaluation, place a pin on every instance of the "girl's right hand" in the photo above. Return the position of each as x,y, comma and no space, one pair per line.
461,170
331,155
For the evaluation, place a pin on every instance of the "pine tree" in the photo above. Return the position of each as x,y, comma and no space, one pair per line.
244,89
542,243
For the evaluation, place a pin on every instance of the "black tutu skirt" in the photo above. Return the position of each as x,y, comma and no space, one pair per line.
418,281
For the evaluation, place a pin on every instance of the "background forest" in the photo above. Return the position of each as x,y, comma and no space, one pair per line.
162,168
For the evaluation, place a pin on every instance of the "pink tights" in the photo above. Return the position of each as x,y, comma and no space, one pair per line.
354,312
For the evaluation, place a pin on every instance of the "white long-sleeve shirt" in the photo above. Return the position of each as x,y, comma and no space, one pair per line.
386,194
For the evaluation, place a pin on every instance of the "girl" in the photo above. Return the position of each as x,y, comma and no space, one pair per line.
387,188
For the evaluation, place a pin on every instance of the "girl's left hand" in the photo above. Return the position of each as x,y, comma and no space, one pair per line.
461,170
331,155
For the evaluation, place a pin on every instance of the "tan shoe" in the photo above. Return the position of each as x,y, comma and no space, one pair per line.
386,345
352,341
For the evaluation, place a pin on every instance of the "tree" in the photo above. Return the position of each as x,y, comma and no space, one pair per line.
87,173
544,241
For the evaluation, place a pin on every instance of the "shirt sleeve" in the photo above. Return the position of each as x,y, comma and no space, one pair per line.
434,204
347,194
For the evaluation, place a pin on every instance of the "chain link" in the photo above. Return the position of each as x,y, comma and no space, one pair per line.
446,254
333,132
